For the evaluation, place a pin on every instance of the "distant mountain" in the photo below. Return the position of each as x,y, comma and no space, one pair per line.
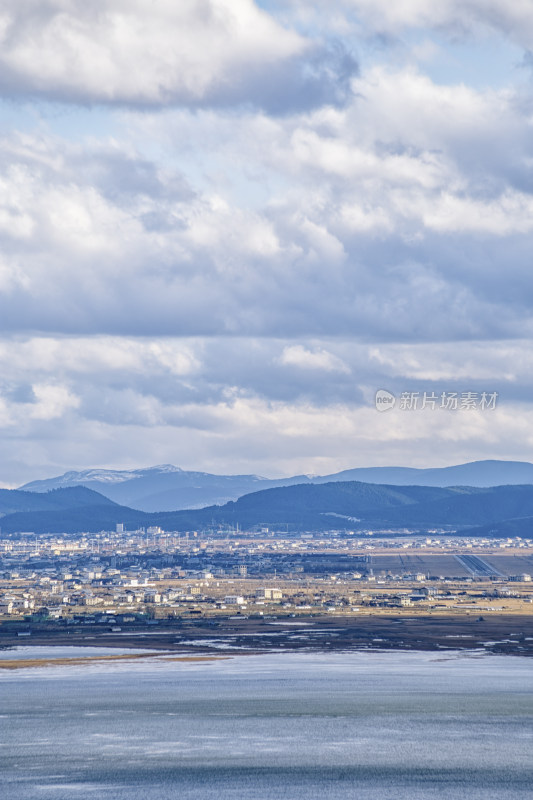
58,511
167,488
475,473
83,519
354,505
313,507
14,500
162,488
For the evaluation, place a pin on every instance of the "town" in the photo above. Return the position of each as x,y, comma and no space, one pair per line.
124,581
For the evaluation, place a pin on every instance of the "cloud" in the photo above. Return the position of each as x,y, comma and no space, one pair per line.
51,401
255,435
174,373
160,53
370,220
221,267
300,357
233,405
458,17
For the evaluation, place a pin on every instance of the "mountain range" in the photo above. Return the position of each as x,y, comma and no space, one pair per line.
348,505
167,488
162,488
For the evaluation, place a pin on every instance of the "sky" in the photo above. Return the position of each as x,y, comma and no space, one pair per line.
226,224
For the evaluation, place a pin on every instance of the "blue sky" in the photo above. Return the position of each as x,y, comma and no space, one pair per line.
224,225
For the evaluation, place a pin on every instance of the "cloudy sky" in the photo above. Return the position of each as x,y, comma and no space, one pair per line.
224,224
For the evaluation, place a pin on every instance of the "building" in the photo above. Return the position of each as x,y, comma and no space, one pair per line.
266,593
234,600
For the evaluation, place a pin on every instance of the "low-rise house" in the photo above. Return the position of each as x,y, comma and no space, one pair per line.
234,600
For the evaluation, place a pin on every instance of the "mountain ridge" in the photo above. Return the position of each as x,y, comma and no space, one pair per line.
349,505
167,488
17,500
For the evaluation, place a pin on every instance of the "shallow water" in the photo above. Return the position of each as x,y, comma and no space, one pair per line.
357,725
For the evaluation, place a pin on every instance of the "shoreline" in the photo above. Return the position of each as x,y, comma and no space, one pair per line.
25,663
197,639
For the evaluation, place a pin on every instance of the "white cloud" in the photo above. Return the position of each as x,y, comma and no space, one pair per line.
512,212
265,406
138,51
347,238
300,357
225,288
52,401
98,355
254,435
513,19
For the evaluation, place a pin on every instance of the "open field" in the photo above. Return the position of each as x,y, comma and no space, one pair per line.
511,564
397,563
446,565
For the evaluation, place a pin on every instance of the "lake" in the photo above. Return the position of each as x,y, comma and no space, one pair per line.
359,725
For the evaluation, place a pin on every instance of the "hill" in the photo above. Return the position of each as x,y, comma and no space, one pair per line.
167,488
348,505
474,473
14,500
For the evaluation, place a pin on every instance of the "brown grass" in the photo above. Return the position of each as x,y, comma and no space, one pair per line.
22,663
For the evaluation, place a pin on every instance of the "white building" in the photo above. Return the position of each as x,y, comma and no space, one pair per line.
267,593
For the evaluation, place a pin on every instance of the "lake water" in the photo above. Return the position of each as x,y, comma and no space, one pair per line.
386,726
